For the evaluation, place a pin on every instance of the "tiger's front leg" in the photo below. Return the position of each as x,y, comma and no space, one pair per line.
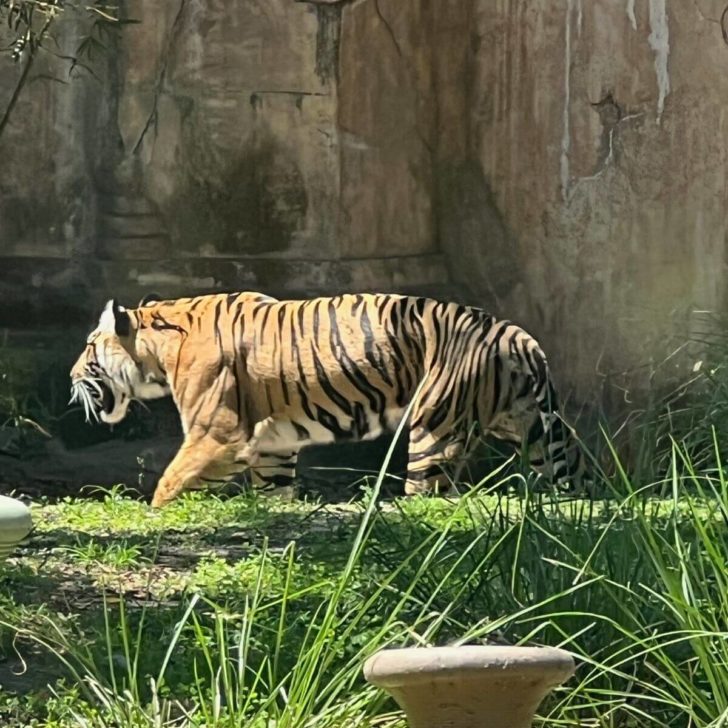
198,462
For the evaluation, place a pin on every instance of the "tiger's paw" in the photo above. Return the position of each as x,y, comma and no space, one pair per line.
162,498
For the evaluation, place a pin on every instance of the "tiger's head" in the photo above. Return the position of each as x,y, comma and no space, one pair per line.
116,367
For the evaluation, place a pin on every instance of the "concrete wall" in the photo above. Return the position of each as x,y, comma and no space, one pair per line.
562,162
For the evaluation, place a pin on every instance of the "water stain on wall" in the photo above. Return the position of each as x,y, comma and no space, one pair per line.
255,203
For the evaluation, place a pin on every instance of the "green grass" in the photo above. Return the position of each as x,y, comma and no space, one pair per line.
257,612
252,611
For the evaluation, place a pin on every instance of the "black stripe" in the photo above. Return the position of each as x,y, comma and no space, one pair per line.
269,399
440,414
159,323
276,456
361,424
535,432
330,422
264,324
301,432
236,377
216,320
284,388
316,320
237,318
304,402
329,390
375,398
371,350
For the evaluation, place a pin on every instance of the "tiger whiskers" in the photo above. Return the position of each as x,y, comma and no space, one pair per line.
81,393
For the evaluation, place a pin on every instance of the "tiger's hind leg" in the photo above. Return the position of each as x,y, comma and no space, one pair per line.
529,416
548,444
430,456
275,474
554,451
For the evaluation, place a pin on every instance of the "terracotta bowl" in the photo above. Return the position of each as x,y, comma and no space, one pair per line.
469,687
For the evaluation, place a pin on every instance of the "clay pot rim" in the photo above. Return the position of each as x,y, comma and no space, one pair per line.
396,667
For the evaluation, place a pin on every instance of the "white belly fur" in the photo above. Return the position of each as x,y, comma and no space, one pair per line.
278,435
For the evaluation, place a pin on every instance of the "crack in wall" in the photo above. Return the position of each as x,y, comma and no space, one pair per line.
612,117
286,92
329,2
659,40
702,14
256,100
386,24
161,76
566,133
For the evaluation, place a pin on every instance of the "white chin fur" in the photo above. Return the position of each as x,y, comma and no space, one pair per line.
151,390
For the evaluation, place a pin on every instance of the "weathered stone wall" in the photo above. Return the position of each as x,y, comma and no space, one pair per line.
593,171
562,163
216,152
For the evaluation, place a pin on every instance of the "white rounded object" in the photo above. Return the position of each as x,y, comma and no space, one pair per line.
15,524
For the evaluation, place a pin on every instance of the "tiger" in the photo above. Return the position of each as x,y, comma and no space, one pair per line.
255,379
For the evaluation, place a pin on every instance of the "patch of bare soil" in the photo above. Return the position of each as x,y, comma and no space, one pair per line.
332,473
55,471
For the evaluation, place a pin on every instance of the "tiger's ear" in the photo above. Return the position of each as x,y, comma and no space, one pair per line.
149,298
115,318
